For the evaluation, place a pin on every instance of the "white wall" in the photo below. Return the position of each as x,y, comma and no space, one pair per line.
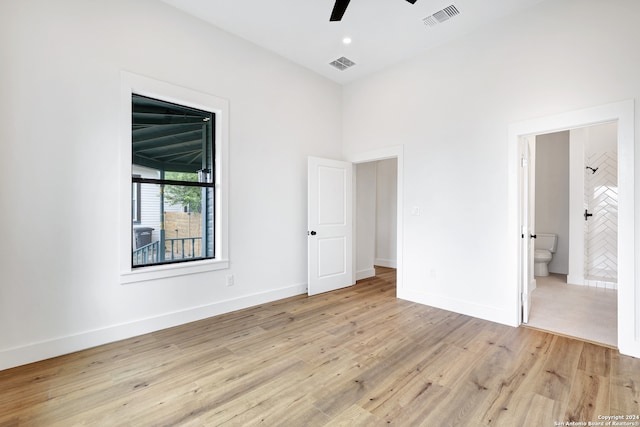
552,194
386,207
451,109
59,176
365,211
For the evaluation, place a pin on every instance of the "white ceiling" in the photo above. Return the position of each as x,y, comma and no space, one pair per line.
384,32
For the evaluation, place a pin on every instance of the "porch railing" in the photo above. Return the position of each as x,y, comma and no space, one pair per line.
147,254
183,248
175,249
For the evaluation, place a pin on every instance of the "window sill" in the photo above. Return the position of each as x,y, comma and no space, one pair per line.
143,274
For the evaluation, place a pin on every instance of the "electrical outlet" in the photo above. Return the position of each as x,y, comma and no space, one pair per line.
230,280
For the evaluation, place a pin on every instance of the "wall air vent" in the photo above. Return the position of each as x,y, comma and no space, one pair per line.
441,16
342,63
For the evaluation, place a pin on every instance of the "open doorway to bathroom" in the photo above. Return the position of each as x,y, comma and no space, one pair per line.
576,200
628,298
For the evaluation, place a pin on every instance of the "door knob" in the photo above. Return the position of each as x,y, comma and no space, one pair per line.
587,214
533,236
313,233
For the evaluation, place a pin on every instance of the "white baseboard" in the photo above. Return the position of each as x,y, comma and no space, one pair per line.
492,314
575,280
366,273
582,281
17,356
604,284
389,263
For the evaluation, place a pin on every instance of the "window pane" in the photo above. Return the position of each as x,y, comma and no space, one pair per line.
171,138
186,231
182,176
171,143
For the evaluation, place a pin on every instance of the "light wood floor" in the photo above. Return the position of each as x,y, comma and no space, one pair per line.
357,356
584,312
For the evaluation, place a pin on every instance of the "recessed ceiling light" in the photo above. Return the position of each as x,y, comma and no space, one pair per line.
346,40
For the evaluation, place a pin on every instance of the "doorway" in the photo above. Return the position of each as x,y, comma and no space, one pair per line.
394,153
575,173
628,299
375,216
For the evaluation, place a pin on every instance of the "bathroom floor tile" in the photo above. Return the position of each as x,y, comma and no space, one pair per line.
583,312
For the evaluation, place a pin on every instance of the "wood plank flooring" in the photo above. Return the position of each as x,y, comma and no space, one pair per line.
353,357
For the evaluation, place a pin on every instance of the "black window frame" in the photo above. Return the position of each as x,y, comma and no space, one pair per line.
136,204
208,170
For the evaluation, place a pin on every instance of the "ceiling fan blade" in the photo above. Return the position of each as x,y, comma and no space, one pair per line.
338,10
412,1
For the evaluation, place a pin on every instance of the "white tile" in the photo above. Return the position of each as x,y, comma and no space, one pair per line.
586,312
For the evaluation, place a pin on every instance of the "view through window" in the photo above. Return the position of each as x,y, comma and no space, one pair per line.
172,176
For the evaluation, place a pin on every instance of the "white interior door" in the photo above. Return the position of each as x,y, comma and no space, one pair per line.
329,233
527,212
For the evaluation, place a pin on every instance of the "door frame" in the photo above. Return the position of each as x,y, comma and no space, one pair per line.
628,292
527,197
393,152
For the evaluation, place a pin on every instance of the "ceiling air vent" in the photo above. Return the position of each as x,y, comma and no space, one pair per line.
342,63
440,16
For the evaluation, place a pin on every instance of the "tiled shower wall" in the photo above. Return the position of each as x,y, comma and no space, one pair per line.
601,230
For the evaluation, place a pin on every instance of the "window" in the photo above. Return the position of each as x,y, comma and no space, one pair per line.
174,180
174,144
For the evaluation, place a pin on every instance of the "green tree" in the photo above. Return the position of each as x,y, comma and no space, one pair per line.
190,197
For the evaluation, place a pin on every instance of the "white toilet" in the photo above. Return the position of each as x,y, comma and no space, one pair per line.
545,248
